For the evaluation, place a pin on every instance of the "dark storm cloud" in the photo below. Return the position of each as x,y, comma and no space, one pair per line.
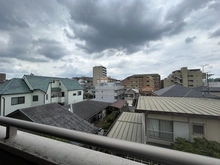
190,39
49,48
215,34
124,26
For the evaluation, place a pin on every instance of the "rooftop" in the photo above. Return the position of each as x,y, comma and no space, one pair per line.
42,82
183,105
181,91
14,86
130,127
54,115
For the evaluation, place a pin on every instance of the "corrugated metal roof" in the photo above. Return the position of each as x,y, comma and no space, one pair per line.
129,126
195,106
14,86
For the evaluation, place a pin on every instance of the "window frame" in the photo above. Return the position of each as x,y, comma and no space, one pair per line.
199,131
19,100
35,98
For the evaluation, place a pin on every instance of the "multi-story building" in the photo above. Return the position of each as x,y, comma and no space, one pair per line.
2,77
109,91
33,90
142,80
98,72
185,77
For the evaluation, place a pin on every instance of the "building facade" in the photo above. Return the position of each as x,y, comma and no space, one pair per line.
33,90
142,80
98,72
109,91
185,77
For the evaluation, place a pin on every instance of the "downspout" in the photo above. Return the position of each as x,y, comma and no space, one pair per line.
3,106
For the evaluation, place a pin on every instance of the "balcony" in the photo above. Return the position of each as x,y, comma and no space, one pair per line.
40,150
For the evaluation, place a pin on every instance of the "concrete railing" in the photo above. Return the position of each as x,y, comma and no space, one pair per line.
142,151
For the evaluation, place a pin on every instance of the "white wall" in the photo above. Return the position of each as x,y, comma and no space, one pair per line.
74,99
41,98
11,108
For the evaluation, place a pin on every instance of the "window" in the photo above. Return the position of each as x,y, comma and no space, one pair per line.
79,93
160,129
74,94
198,129
35,98
62,94
46,96
17,100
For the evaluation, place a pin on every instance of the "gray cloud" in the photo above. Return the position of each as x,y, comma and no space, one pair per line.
190,39
215,34
219,43
113,25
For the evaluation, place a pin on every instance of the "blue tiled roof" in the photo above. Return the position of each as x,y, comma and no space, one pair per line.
41,82
14,86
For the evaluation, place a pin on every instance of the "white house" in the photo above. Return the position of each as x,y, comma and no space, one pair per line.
170,117
37,90
109,91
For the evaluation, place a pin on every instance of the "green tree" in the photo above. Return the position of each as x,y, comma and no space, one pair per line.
199,146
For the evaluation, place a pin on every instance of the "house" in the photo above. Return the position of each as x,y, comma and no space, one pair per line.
119,105
170,117
181,91
131,96
146,91
90,110
56,115
37,90
129,126
109,91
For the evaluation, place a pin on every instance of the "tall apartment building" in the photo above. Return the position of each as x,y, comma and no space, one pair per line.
98,72
2,77
142,80
185,77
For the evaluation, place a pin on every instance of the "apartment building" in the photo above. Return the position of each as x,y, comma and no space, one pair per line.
98,72
185,77
2,77
141,81
109,91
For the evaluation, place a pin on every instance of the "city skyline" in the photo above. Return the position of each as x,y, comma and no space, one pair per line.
68,38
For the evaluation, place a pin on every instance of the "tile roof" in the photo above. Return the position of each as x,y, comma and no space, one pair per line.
14,86
181,91
88,108
130,127
118,104
42,82
187,106
56,115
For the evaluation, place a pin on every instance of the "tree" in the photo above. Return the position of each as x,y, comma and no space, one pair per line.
199,146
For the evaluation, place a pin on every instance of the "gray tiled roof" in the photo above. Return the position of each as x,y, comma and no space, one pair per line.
129,126
88,108
56,115
14,86
41,82
181,91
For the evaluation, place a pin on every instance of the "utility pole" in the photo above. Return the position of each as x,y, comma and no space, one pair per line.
208,75
203,66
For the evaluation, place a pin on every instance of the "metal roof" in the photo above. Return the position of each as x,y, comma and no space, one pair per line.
130,127
14,86
177,105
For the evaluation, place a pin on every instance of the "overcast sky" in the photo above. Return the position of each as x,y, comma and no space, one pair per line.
66,38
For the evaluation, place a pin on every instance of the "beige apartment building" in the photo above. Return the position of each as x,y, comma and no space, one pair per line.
142,81
185,77
98,72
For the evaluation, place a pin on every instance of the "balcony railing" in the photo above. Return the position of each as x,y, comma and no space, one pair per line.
142,151
161,135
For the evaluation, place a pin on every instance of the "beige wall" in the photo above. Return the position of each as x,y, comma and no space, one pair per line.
211,126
